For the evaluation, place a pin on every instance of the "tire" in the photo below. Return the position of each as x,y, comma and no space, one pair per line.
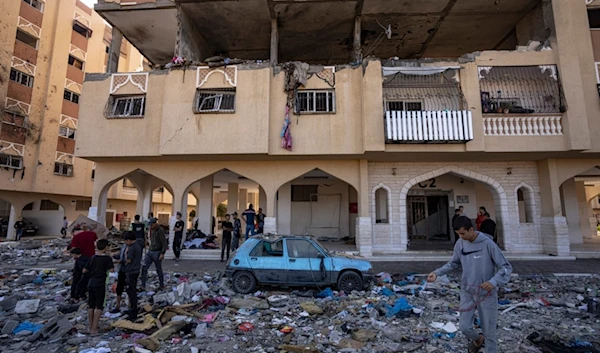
350,281
243,282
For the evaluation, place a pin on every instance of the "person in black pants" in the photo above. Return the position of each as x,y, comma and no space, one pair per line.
178,236
226,242
97,267
80,280
133,260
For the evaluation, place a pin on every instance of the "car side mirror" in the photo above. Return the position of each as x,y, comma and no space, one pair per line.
321,256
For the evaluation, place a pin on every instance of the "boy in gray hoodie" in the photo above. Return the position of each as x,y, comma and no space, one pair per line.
484,270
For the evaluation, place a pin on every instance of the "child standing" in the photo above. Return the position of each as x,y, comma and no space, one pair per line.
484,269
133,260
97,267
80,280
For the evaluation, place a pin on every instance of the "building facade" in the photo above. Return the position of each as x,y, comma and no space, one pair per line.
358,119
47,48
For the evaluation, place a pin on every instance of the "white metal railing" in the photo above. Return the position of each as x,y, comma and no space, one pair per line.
523,126
429,126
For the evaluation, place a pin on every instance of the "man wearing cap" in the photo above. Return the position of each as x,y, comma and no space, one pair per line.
156,253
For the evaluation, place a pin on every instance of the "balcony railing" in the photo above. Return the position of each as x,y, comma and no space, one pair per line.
522,126
428,126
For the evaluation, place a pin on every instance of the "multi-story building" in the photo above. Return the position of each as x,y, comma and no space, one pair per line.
405,111
46,49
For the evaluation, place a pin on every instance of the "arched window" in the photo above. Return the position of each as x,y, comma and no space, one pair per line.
381,206
525,200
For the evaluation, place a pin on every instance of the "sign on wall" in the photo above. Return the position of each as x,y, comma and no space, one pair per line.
462,199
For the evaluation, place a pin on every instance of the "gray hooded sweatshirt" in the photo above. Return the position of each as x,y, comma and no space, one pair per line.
482,261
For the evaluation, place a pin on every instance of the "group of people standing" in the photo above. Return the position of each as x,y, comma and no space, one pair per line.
483,222
255,222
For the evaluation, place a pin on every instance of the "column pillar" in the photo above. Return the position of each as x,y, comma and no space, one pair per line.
364,225
554,229
262,200
114,51
357,41
232,198
270,209
243,199
284,209
147,193
11,233
585,211
274,42
205,204
180,199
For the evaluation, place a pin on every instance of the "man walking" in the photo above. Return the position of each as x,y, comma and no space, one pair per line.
479,257
19,226
178,237
65,225
237,227
156,253
249,216
226,242
260,220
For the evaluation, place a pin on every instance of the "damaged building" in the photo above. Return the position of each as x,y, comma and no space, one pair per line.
370,119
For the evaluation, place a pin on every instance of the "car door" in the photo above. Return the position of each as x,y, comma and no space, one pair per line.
306,264
268,261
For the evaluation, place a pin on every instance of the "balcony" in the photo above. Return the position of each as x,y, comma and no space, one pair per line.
425,105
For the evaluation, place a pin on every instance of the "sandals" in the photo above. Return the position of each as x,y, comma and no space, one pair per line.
474,348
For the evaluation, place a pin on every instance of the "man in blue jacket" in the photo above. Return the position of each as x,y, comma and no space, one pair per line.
484,270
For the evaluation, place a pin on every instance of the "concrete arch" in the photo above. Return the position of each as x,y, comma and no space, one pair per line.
497,190
571,168
323,169
530,199
374,200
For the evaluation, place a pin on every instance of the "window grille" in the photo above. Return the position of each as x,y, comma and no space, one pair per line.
126,107
20,77
315,101
71,96
221,100
10,161
67,132
15,119
63,169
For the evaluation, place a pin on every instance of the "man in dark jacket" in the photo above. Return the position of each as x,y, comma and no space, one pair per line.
488,227
133,258
156,253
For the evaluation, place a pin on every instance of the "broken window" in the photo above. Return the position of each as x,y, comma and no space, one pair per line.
267,248
27,38
304,193
221,100
408,106
20,77
63,169
10,161
67,132
81,29
315,101
71,96
300,248
75,62
12,118
128,106
83,205
35,4
49,205
381,206
525,199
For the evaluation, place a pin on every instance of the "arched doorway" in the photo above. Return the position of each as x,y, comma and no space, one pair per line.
321,205
428,203
42,217
581,207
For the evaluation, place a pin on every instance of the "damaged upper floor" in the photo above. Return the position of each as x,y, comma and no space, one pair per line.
328,32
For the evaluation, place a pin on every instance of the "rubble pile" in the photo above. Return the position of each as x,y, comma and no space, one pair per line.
200,313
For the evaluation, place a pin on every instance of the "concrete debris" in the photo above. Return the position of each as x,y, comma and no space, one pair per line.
200,313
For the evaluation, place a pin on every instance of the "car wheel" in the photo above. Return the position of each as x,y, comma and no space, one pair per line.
350,281
244,282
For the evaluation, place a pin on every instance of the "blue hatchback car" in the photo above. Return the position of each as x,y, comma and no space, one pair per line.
294,261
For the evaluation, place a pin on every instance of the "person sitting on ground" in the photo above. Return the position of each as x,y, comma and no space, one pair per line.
98,267
80,280
489,227
484,270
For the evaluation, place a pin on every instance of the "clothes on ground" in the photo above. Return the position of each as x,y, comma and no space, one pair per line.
133,258
98,267
85,241
194,243
158,242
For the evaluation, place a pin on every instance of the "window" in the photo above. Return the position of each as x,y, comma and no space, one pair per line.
81,29
10,161
594,19
300,248
221,100
524,198
93,174
267,248
304,193
322,101
15,119
36,4
27,39
75,62
132,106
22,78
71,96
63,169
67,132
403,106
48,205
83,205
28,207
381,206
